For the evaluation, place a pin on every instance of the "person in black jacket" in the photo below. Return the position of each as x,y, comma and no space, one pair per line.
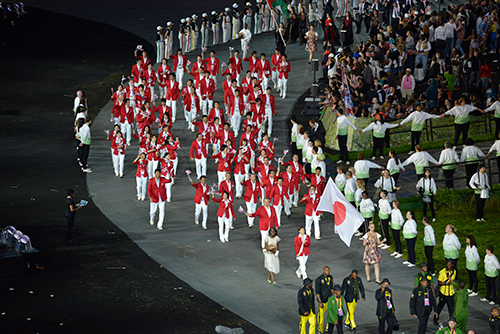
385,308
324,290
494,321
422,303
352,289
305,299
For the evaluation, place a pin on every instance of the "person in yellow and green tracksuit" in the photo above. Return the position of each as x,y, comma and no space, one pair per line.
352,290
461,312
324,289
336,311
451,328
307,307
446,289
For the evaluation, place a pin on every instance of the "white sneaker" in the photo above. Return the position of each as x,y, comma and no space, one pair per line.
222,240
142,199
250,225
484,300
160,228
454,147
317,238
116,174
295,205
385,247
168,200
197,222
381,245
151,222
138,198
473,294
381,157
340,161
361,238
231,228
433,220
492,303
373,158
227,239
478,220
398,256
347,162
87,170
298,274
406,262
357,234
482,219
121,175
469,291
394,254
411,265
204,227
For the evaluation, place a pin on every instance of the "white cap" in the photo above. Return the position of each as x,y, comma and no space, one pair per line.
227,9
415,13
248,4
214,13
340,50
188,19
204,15
169,24
407,15
235,5
293,2
159,28
183,20
194,16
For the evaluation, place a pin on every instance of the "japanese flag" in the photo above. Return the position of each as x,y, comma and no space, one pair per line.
347,219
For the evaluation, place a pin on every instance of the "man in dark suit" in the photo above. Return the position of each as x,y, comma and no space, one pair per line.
352,289
317,131
385,308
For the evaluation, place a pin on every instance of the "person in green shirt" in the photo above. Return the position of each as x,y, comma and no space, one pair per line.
451,328
450,79
461,312
424,273
336,311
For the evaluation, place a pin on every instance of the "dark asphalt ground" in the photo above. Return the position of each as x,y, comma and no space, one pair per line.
80,289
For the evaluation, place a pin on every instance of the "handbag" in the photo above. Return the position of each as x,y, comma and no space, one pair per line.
485,193
426,199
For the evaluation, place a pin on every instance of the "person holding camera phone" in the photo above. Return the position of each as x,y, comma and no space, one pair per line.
426,187
479,182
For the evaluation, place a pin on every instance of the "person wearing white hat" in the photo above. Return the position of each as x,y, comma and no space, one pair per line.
196,32
247,18
205,27
215,27
169,39
266,16
236,22
160,44
258,18
188,36
226,25
182,33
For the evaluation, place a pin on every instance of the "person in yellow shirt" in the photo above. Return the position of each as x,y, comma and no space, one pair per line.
447,292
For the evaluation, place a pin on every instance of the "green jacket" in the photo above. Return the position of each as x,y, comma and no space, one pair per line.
446,330
461,311
333,309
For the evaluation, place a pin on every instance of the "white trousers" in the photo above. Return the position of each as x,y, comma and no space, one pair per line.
201,167
287,205
152,89
302,266
237,184
152,166
274,77
173,105
236,123
251,207
265,82
142,186
206,105
263,235
163,92
269,117
221,176
179,74
295,197
198,208
224,225
258,24
282,85
118,160
175,162
309,220
169,191
127,131
153,207
215,79
278,209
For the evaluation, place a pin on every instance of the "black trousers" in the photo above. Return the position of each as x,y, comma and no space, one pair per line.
384,226
395,176
294,149
344,154
397,241
364,228
391,322
470,170
415,139
378,144
497,127
473,282
422,322
431,205
84,155
498,166
340,326
448,175
446,300
429,254
491,289
461,129
410,248
70,220
480,202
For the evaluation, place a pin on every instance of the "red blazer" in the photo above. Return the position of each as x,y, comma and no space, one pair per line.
150,77
266,221
118,142
224,164
232,105
117,108
162,110
252,62
296,169
262,170
223,136
127,113
194,69
163,72
298,244
246,84
283,69
145,60
269,149
137,73
311,206
224,208
201,192
275,59
264,98
263,69
176,61
251,138
156,192
267,183
212,65
237,64
172,90
227,186
318,182
142,168
278,195
289,182
188,100
251,195
199,149
239,164
172,149
167,168
216,113
207,88
231,71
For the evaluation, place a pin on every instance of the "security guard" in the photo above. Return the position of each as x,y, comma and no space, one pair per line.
425,273
324,289
446,289
352,288
385,308
306,307
422,303
336,311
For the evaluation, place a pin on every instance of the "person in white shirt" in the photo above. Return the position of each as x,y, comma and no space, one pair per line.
410,234
421,160
496,147
495,106
461,112
245,36
379,128
84,136
479,182
397,222
429,244
384,214
423,48
343,124
417,119
394,166
362,167
449,28
366,208
340,179
472,260
448,159
350,188
426,186
491,268
387,183
451,245
470,156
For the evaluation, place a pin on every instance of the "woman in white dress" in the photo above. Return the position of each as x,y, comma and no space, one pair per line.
271,253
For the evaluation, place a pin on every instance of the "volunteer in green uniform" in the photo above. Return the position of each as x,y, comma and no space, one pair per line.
461,112
461,312
336,311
